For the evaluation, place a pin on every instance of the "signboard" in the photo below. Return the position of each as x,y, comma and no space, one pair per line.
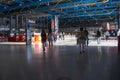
52,24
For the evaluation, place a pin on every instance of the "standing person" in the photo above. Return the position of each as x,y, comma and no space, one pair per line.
87,39
98,35
60,36
63,35
81,37
55,36
107,34
50,38
118,33
43,39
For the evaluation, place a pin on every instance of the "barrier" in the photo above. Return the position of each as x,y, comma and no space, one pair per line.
22,38
17,38
2,38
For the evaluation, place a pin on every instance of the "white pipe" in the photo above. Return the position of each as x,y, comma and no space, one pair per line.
94,3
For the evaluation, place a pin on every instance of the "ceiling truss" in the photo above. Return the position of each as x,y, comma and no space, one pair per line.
84,9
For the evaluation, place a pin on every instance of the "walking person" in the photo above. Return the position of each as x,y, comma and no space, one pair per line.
60,36
43,39
107,34
98,35
87,39
63,35
118,33
50,38
81,37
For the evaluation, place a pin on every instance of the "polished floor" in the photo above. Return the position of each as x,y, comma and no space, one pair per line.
62,61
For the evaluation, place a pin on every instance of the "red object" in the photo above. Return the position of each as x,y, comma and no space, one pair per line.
12,39
118,43
17,38
2,37
20,38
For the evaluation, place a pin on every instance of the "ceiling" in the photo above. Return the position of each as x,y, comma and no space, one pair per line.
82,9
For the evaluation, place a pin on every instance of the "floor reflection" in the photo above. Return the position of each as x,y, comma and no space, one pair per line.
21,62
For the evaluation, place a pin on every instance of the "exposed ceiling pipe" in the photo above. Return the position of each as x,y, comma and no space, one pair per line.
87,4
105,1
88,15
58,3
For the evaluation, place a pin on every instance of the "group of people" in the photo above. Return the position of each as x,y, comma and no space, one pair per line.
50,37
106,35
61,36
44,38
82,39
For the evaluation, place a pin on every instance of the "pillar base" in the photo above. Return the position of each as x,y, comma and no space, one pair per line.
119,43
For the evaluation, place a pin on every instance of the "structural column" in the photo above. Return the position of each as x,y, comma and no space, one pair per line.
28,32
119,29
119,19
16,23
22,21
54,24
10,24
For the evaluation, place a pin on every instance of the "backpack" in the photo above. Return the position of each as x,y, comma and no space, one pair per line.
82,35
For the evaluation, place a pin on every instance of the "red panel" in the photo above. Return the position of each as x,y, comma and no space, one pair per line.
17,38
